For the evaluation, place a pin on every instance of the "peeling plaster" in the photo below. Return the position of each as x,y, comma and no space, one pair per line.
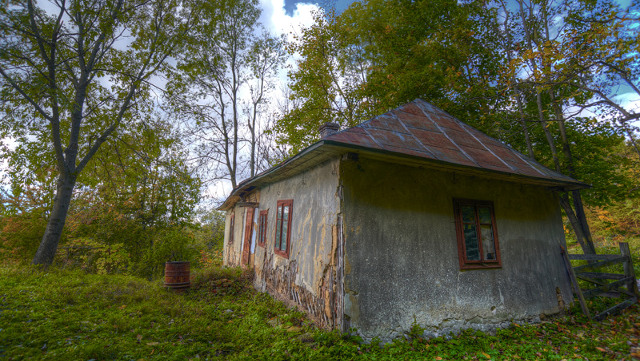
311,277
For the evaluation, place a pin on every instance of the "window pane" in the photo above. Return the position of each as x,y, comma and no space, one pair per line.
285,226
264,229
471,242
485,214
468,214
488,245
261,230
278,226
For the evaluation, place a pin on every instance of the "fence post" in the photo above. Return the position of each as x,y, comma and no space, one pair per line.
574,283
632,285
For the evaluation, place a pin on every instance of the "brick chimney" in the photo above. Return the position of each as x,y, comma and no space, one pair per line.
327,129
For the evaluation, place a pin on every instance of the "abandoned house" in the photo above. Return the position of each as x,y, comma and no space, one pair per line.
412,216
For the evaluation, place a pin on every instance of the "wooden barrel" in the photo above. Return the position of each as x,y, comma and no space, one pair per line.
176,275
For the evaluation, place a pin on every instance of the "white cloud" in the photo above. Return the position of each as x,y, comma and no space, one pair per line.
275,18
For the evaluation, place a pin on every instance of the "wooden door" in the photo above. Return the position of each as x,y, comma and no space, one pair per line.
248,230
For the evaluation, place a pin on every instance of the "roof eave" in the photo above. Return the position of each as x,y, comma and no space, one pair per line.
299,162
568,184
242,186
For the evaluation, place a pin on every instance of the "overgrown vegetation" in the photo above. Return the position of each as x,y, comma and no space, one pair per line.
74,315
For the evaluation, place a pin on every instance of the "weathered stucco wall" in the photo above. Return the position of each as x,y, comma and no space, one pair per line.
310,278
401,256
232,251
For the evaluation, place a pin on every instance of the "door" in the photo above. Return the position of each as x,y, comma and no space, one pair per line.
248,231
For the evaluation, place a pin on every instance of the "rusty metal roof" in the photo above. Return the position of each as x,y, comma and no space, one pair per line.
416,132
422,130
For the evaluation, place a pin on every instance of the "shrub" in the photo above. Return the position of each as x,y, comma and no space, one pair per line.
175,244
93,256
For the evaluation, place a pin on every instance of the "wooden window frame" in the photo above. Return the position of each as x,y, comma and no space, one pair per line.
462,252
262,228
232,227
279,220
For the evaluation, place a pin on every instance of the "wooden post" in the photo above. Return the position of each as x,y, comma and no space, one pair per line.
574,283
632,285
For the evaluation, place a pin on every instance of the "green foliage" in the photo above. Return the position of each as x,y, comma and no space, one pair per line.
23,218
68,86
416,332
379,54
210,230
168,245
599,158
618,221
66,314
95,257
133,201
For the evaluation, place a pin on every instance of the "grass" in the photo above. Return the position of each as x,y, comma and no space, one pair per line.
71,315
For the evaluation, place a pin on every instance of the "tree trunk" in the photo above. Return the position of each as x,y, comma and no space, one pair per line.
581,219
49,244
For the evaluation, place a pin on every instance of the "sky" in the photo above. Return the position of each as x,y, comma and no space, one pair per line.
286,16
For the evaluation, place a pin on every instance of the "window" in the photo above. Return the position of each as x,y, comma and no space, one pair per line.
283,227
477,234
262,228
232,223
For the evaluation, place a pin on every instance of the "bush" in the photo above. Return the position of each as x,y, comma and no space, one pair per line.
175,244
20,237
93,256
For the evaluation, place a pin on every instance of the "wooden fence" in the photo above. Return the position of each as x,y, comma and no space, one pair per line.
616,285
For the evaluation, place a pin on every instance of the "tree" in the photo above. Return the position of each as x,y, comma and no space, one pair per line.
73,74
222,86
379,54
326,85
137,193
514,69
602,53
552,90
264,59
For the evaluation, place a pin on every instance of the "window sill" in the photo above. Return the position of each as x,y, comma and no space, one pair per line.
281,253
476,266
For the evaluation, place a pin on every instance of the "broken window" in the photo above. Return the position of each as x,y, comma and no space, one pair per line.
283,227
476,233
232,223
262,228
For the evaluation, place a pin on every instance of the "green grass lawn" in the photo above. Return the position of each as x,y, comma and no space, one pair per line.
70,315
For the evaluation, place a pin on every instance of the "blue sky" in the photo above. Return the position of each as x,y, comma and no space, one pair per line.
340,5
